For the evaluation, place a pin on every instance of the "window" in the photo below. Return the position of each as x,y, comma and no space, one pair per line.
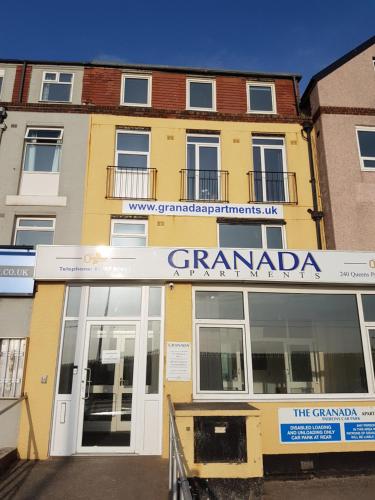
366,146
12,360
270,176
300,343
203,175
221,348
42,150
306,344
56,87
261,98
133,149
136,90
201,95
128,233
1,79
34,231
250,235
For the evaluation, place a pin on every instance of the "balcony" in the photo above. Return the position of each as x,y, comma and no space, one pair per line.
204,185
131,183
272,187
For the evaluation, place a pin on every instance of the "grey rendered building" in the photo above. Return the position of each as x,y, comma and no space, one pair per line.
43,146
341,100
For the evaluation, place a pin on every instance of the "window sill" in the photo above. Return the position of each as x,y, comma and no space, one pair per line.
32,200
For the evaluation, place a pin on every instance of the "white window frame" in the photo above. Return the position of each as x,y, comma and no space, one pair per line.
34,140
197,145
124,151
221,396
213,91
362,158
143,222
138,77
264,227
273,97
57,73
262,160
2,75
17,227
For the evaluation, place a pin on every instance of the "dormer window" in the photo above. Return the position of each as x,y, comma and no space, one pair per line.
57,86
136,90
261,98
201,95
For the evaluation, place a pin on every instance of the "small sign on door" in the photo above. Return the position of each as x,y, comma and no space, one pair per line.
110,356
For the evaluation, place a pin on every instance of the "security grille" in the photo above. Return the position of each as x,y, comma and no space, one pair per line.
12,360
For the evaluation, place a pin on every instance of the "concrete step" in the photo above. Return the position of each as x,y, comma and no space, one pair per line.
8,456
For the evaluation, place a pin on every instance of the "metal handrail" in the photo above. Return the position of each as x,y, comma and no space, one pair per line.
272,187
179,486
125,183
13,404
204,185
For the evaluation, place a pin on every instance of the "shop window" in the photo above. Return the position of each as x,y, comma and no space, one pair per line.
219,305
201,95
250,235
306,344
128,233
34,231
56,87
12,360
270,177
114,301
261,98
366,145
221,358
136,90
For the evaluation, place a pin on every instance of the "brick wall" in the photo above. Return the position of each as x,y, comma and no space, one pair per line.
17,84
102,88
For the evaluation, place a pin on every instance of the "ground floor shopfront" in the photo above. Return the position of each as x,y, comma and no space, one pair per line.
298,345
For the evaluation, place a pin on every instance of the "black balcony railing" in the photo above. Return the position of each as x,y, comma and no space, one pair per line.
273,187
131,183
204,185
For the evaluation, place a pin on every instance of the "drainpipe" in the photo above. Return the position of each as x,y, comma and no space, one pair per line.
315,213
22,83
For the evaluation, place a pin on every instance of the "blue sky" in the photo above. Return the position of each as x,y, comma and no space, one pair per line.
269,35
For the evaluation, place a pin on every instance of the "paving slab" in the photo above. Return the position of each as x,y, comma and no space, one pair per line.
83,478
329,488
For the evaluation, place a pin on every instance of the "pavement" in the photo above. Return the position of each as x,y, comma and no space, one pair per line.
87,478
146,478
328,488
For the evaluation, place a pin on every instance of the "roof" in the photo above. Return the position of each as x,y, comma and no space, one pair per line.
335,65
146,67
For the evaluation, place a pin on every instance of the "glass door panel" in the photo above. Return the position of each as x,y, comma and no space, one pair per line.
371,333
274,174
208,173
109,392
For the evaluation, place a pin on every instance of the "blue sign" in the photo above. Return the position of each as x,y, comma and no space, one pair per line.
17,272
309,433
360,431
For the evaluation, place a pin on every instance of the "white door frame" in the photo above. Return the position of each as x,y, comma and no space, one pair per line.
136,369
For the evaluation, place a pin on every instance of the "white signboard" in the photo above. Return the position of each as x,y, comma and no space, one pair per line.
178,361
327,425
204,264
110,356
236,210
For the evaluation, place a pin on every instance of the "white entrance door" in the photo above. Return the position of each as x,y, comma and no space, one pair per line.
108,402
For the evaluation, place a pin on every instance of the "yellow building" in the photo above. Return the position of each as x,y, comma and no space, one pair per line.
199,276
